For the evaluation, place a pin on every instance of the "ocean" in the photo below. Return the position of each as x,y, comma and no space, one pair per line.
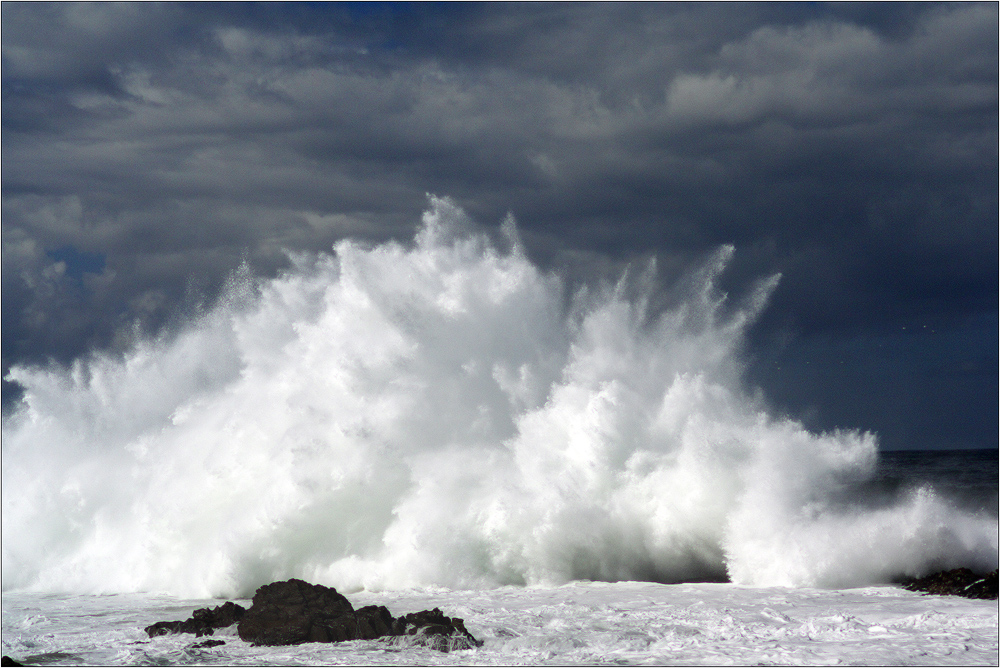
580,474
968,478
578,623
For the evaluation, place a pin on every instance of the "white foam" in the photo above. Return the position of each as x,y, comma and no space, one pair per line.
580,623
395,415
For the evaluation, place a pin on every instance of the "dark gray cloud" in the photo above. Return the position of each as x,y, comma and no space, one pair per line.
851,147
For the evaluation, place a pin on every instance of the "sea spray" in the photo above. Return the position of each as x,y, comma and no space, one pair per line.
444,413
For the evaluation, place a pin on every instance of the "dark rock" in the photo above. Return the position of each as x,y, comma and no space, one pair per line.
202,622
433,629
957,582
374,621
293,611
209,643
7,661
163,628
220,617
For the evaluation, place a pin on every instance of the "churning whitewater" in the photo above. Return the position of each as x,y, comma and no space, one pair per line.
445,413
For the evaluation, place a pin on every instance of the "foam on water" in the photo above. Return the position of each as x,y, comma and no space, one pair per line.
443,413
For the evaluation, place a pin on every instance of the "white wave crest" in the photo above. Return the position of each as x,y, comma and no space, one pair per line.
443,413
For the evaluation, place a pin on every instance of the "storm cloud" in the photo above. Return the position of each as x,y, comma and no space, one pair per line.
149,150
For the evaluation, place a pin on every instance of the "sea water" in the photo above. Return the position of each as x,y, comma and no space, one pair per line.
444,416
581,622
969,478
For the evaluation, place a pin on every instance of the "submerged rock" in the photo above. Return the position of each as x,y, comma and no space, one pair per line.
432,629
208,643
957,582
202,622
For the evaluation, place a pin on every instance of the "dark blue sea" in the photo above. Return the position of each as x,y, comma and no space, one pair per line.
968,478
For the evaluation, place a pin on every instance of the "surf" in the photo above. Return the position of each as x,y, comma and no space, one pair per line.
444,412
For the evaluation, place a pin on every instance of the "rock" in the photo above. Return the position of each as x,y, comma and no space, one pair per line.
293,611
202,622
374,621
227,614
957,582
432,629
209,643
163,628
7,661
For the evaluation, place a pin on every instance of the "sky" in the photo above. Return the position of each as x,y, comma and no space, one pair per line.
150,149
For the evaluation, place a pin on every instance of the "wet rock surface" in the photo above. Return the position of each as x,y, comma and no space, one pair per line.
293,611
202,622
957,582
431,628
208,643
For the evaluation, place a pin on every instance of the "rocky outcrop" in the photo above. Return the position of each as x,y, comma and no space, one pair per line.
294,611
432,629
957,582
202,622
374,621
